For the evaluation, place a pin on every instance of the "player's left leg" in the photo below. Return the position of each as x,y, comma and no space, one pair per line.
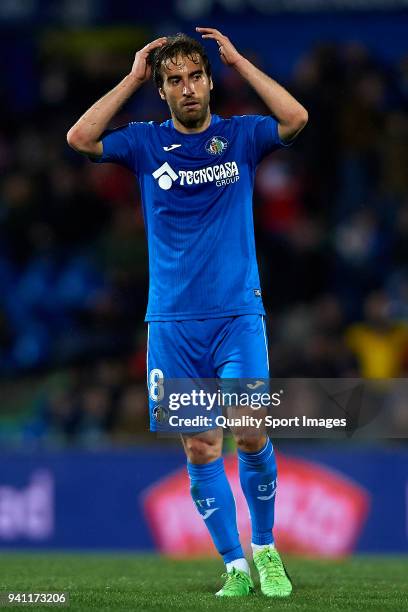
244,354
258,477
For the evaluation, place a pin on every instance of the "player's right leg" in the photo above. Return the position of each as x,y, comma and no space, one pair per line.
178,349
214,500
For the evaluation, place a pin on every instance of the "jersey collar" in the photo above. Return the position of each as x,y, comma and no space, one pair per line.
214,119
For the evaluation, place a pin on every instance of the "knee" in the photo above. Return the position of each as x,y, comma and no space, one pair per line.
202,451
250,443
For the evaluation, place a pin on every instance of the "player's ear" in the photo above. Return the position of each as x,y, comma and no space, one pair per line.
161,93
211,84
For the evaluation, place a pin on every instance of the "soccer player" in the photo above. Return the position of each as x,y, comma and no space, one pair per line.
205,314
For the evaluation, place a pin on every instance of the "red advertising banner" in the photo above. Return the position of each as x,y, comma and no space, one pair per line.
318,511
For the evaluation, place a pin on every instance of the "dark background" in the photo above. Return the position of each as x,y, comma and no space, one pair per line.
331,213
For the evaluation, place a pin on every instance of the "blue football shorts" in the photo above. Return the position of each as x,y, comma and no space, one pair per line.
222,348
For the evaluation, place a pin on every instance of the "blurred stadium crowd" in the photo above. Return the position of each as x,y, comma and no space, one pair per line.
331,218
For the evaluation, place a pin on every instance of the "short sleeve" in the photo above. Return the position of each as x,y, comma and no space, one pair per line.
263,135
122,146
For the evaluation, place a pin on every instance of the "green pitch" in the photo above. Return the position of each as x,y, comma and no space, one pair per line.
139,583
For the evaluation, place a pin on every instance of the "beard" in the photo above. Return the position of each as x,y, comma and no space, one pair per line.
192,118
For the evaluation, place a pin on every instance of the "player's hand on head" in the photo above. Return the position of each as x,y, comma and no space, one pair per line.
141,68
228,53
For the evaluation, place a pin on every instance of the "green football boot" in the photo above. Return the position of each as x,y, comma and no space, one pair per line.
237,584
275,581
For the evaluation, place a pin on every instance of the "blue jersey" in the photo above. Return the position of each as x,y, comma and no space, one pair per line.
196,194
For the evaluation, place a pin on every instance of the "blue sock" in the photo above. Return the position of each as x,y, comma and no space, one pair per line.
257,473
212,495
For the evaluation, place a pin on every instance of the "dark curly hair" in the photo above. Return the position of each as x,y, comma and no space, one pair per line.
180,44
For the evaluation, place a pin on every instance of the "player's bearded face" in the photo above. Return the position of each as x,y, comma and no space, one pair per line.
186,88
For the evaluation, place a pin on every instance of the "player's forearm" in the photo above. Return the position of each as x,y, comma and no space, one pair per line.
85,134
290,114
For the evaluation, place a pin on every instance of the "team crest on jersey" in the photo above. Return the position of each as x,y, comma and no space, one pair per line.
216,145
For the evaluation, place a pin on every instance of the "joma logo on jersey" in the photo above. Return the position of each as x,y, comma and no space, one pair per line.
221,174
